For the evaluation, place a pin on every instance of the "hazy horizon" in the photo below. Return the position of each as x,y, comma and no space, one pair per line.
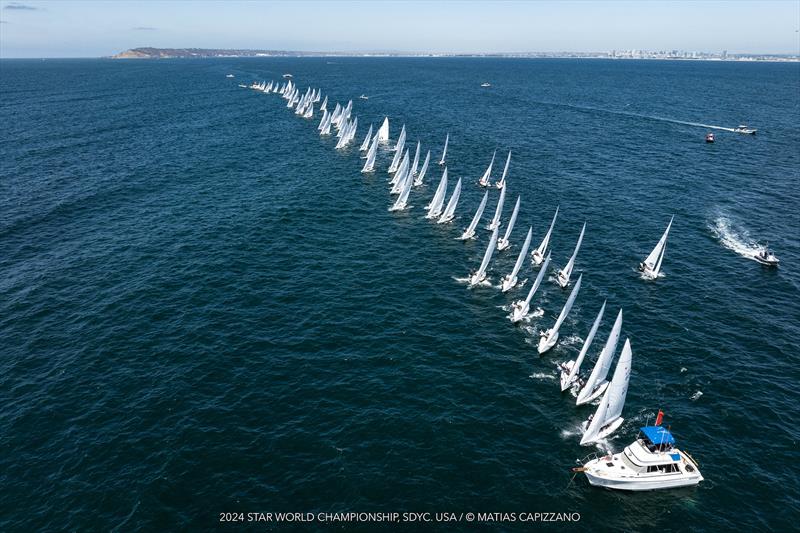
95,29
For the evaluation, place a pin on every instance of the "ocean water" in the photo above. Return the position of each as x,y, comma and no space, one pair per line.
205,308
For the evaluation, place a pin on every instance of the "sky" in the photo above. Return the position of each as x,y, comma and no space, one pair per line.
30,28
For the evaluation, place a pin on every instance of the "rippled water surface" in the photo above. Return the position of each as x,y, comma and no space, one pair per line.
204,307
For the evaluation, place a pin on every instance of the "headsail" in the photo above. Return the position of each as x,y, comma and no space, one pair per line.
470,231
603,364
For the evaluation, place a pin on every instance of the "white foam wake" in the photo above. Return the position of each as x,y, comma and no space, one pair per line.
735,237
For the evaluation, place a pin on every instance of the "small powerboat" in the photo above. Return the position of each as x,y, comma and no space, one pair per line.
765,257
743,128
652,462
229,76
486,84
709,137
287,76
364,97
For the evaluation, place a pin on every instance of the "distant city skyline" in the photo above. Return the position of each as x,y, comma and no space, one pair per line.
30,28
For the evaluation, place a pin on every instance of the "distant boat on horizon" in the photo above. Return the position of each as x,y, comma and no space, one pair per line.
486,84
229,76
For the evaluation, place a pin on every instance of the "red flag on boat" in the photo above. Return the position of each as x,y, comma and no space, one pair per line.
659,417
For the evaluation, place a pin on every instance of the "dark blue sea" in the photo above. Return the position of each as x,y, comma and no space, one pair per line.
205,308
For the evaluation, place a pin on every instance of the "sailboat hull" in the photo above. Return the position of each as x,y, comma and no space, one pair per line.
562,280
520,311
502,244
598,391
509,284
467,235
537,258
605,431
566,383
547,342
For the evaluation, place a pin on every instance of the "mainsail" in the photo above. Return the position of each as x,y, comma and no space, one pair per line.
503,243
485,179
449,212
607,418
444,152
383,132
511,280
470,231
602,366
435,207
495,223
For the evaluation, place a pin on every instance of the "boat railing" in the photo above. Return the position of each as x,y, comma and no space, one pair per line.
591,457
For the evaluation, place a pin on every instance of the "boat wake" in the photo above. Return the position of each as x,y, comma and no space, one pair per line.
735,238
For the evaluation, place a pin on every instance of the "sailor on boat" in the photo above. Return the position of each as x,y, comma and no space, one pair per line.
652,462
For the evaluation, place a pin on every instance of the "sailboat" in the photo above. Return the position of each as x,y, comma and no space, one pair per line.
415,164
652,265
324,106
365,144
550,337
480,274
435,207
402,200
383,131
510,281
596,382
502,183
444,152
401,140
485,179
469,233
566,272
322,121
608,416
495,223
570,369
503,242
449,212
421,175
396,160
399,177
520,308
369,165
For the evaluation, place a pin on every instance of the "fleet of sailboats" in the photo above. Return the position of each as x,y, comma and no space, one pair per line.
407,174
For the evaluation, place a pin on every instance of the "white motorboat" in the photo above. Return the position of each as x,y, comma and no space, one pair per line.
503,242
520,308
570,369
480,275
596,383
651,266
564,274
652,462
549,337
229,76
608,417
510,281
765,257
469,233
537,256
486,84
743,128
364,97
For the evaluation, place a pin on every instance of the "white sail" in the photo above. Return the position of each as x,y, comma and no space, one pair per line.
444,152
365,145
596,380
400,176
322,120
383,132
520,308
324,106
495,223
470,231
421,175
550,337
566,272
652,264
511,280
369,165
607,418
435,207
449,212
351,132
309,111
396,160
401,140
402,200
569,372
416,161
480,275
538,254
504,243
502,183
485,179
